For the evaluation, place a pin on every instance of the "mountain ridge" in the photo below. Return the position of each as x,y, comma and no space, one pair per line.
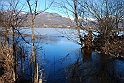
46,19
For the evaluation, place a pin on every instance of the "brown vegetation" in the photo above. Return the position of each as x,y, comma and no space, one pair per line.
6,61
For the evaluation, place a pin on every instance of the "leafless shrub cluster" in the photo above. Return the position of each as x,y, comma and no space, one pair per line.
114,46
6,61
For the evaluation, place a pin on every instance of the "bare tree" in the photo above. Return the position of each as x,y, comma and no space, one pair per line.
108,14
11,20
72,9
76,15
33,14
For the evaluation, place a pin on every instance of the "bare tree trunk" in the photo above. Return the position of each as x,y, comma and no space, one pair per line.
77,23
34,13
13,52
34,54
35,78
33,51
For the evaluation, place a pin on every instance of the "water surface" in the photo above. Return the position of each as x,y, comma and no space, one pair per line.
63,61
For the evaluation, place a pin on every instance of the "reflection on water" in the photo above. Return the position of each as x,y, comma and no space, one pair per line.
63,61
95,68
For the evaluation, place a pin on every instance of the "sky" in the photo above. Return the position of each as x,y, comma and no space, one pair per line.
55,8
42,4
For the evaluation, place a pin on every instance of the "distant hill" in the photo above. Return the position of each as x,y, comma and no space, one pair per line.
46,19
